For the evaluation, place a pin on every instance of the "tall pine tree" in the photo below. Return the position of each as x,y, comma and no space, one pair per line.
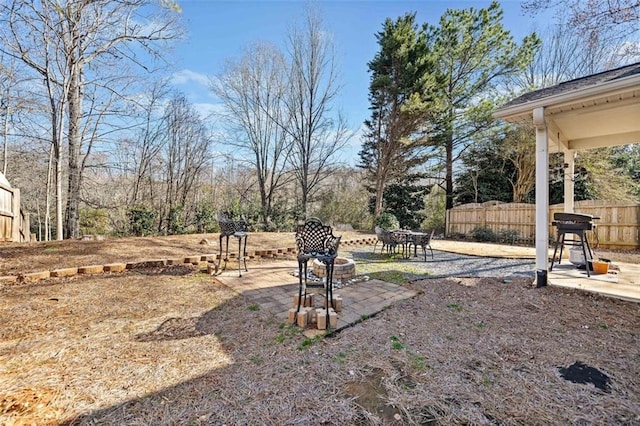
401,79
473,53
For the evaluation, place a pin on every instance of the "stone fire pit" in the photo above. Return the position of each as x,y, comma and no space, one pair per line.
343,269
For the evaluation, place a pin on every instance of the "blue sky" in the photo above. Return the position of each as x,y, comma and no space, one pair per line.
219,30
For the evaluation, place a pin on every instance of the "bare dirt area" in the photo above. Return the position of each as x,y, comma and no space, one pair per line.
170,345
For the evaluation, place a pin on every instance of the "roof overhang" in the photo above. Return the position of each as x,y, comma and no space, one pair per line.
606,114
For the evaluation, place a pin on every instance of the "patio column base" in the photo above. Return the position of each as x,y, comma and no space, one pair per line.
541,278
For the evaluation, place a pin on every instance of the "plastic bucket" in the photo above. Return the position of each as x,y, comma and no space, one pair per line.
600,267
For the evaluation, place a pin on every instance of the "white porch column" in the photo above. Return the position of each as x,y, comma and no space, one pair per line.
542,197
569,187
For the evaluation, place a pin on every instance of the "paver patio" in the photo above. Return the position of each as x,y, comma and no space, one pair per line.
272,286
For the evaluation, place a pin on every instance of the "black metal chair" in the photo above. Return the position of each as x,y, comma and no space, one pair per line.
576,224
239,230
388,240
316,241
423,240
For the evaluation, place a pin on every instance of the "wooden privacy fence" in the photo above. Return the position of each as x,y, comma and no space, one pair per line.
14,223
618,225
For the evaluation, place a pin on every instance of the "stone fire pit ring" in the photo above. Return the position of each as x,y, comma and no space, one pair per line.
343,268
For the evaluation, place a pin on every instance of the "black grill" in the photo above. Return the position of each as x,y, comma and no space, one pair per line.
567,222
576,224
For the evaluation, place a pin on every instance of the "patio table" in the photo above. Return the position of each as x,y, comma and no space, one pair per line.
406,237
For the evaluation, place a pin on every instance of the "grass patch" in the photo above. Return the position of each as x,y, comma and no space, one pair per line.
396,343
454,307
254,307
308,342
287,331
395,277
418,362
341,357
378,266
486,380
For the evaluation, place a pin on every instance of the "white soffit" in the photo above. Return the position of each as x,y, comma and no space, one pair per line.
603,115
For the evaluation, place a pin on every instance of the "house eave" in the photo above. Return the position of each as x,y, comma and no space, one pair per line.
522,112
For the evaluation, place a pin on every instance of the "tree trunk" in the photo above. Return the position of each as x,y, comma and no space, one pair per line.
377,209
47,202
72,218
59,222
5,132
449,166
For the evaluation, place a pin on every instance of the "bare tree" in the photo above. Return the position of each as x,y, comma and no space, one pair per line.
148,145
567,53
318,132
618,18
519,148
253,91
60,40
186,153
8,103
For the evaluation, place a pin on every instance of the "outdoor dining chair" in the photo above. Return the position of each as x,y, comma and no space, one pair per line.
316,241
388,240
423,240
239,230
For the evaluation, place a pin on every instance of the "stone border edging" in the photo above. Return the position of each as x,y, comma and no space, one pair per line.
204,262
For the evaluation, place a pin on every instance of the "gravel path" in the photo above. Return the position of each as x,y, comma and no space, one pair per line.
446,264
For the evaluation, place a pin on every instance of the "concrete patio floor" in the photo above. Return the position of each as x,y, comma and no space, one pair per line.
623,285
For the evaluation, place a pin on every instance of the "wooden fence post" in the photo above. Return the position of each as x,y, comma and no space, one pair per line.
15,209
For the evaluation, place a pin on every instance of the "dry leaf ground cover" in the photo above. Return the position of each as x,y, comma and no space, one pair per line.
173,346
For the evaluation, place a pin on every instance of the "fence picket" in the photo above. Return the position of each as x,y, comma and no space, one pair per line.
618,225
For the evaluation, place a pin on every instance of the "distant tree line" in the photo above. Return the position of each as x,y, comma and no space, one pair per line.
100,143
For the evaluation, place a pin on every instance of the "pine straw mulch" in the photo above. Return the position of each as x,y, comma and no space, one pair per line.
172,346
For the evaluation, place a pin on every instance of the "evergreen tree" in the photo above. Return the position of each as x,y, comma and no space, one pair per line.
485,176
473,54
401,79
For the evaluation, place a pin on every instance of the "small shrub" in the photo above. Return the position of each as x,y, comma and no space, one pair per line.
483,233
387,221
175,221
509,236
457,236
94,221
141,220
206,219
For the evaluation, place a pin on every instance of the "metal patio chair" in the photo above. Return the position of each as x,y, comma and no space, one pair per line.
388,240
239,230
316,241
423,240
